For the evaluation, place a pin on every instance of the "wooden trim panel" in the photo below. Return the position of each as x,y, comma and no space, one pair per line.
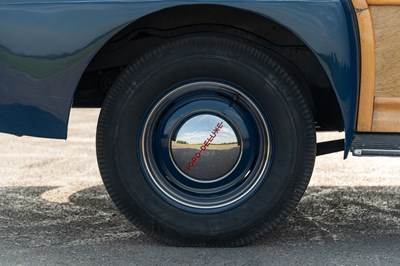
367,82
384,2
360,4
379,103
386,115
386,21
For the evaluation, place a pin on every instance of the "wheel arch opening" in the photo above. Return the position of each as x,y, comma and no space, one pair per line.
156,28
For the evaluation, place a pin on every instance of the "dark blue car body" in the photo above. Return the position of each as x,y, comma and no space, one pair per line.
45,46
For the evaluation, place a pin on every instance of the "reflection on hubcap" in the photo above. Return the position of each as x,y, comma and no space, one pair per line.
206,148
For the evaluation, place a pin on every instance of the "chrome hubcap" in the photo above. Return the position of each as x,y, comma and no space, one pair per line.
206,148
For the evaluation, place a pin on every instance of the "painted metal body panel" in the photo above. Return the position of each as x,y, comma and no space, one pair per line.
45,47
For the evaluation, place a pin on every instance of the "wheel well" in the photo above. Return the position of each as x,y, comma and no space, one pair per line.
158,27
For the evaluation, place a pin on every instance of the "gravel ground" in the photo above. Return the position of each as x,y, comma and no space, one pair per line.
54,210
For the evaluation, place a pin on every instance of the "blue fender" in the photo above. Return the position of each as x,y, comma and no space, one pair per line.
45,47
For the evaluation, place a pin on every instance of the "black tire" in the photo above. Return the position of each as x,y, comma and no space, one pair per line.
263,90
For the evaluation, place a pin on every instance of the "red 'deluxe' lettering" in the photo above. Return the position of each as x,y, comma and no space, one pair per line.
204,147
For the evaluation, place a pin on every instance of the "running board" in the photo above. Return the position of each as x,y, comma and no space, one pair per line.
376,145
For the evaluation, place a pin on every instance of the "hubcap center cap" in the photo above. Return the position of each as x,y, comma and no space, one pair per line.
205,148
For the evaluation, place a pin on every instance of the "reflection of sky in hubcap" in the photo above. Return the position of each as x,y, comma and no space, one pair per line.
198,128
206,148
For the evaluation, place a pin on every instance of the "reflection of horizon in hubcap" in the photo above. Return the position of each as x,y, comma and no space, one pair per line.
205,148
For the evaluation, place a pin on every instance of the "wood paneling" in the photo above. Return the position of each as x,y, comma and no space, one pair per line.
384,2
360,4
367,83
379,104
386,115
386,21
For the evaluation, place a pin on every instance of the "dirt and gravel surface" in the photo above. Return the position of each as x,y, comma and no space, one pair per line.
54,210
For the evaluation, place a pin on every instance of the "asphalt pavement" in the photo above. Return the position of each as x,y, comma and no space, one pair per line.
55,211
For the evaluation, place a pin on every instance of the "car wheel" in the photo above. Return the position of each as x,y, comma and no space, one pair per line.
206,140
